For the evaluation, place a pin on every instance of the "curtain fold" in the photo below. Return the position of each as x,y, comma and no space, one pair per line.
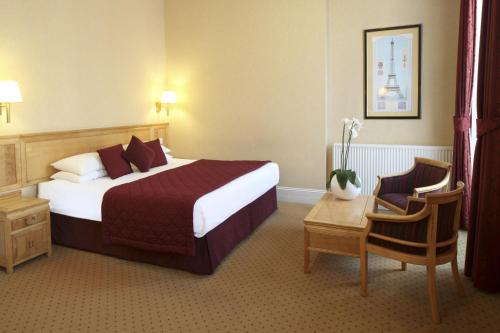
465,78
483,243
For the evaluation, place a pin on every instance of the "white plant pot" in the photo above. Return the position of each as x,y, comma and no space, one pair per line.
350,192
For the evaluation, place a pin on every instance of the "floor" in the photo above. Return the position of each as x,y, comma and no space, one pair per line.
259,288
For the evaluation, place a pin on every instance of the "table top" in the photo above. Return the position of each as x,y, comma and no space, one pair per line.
335,213
14,202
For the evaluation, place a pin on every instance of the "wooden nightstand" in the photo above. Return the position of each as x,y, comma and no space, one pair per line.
24,229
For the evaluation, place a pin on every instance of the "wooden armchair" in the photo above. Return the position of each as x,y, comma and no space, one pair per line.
427,237
426,176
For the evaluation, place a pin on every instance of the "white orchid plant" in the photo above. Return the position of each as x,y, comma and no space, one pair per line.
350,128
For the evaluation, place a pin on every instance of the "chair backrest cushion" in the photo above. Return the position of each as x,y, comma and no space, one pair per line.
414,232
445,221
425,175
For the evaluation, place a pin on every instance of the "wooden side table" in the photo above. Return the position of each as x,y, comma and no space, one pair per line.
24,229
335,226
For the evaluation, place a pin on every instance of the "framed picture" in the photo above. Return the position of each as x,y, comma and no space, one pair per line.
392,72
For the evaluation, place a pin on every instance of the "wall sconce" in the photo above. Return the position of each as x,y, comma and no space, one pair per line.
9,93
168,97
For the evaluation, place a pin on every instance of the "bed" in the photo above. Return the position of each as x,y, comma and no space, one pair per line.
221,218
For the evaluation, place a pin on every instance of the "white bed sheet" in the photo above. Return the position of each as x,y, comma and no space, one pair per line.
84,200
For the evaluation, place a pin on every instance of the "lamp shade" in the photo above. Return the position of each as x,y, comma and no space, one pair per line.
168,97
9,92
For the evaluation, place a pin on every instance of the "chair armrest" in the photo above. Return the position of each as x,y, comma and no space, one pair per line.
416,199
414,205
378,217
431,188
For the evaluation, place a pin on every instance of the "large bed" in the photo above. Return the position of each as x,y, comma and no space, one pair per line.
221,218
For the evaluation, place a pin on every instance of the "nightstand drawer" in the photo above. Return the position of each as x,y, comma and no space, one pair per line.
29,220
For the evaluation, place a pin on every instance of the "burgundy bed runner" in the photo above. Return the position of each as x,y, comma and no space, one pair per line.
156,213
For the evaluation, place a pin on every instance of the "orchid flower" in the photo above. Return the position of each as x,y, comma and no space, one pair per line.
350,128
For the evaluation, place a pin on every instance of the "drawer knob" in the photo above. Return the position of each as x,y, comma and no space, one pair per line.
31,219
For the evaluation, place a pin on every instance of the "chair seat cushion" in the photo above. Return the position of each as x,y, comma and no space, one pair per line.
397,199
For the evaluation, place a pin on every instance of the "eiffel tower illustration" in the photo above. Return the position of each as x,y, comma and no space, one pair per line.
392,82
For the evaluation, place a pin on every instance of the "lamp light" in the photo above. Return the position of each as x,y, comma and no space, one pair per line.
168,97
9,93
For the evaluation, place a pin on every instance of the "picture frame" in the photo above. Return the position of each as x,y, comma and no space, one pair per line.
392,72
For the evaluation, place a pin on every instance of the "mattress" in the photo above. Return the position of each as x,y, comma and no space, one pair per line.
83,200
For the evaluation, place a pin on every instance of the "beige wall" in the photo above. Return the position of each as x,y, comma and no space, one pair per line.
261,79
252,77
251,82
81,64
439,19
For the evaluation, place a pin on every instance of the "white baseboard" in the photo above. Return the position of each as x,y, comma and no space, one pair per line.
299,195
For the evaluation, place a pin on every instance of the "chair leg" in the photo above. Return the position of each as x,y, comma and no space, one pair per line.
403,266
364,271
431,286
456,277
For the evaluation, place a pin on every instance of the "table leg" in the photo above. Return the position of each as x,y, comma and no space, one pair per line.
306,251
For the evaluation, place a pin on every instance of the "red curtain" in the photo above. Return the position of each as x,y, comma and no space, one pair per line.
483,244
465,78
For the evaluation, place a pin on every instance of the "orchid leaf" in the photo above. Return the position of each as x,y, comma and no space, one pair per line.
357,183
353,179
342,178
351,175
332,174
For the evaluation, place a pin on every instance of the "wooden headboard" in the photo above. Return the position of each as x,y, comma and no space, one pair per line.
25,159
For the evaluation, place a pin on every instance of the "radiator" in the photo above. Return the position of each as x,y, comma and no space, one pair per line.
370,161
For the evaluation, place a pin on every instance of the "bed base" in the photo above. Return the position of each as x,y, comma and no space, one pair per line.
211,249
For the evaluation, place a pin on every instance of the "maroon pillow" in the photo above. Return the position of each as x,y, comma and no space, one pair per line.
116,166
160,158
139,154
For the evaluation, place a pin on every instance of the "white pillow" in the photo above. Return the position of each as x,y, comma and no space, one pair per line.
165,149
80,164
74,178
169,157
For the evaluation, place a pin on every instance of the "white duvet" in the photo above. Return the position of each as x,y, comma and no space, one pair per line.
83,200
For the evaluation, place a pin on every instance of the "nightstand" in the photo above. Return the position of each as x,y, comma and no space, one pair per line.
24,229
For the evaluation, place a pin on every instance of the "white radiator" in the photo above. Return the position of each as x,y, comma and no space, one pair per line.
370,161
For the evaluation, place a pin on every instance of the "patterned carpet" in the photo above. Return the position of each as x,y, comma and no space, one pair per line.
259,288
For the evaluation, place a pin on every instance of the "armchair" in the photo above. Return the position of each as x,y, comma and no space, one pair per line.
428,237
426,176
